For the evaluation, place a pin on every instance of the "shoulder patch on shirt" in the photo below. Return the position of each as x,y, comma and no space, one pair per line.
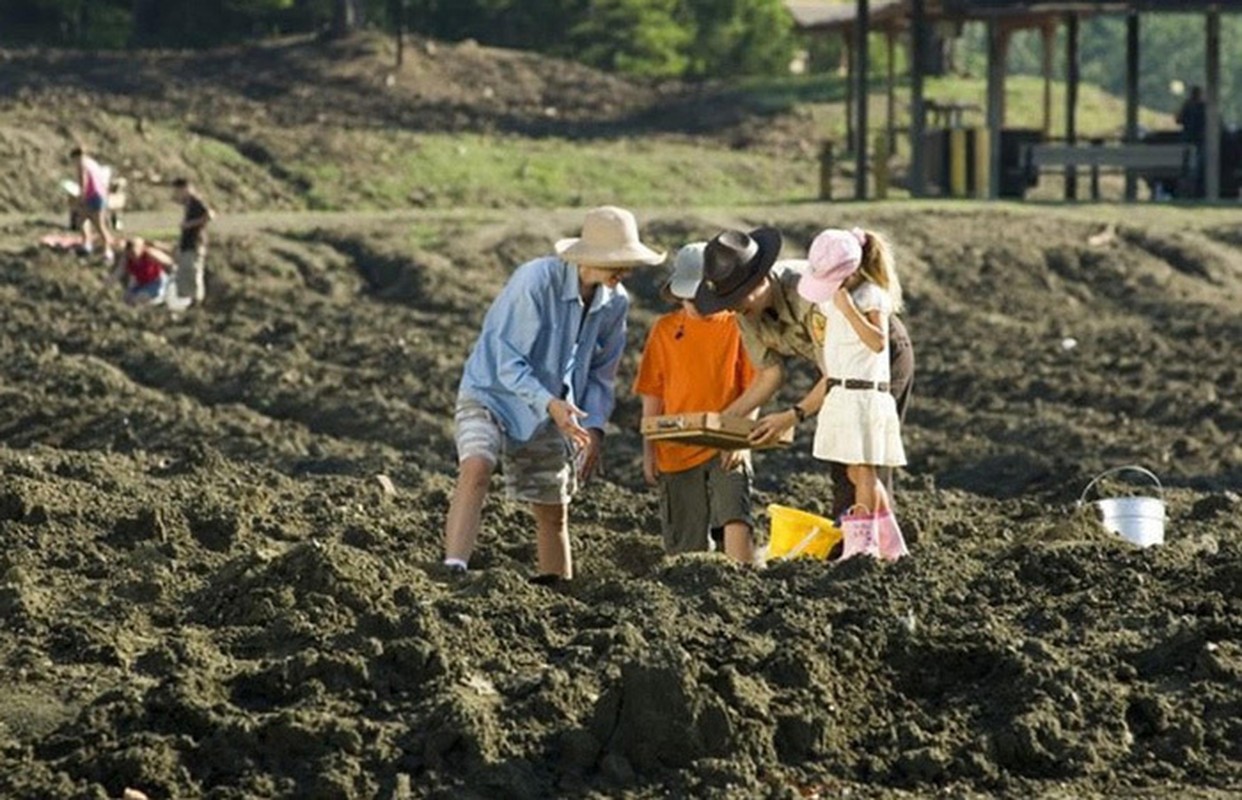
819,325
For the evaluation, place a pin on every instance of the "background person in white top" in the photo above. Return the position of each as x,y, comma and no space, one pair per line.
852,277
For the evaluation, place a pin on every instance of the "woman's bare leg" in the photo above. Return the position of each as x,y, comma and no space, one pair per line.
552,539
461,526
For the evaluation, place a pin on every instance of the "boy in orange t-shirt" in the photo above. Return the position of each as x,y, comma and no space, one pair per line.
694,363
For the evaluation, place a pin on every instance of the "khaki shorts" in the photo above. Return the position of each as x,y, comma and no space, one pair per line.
188,279
542,470
698,503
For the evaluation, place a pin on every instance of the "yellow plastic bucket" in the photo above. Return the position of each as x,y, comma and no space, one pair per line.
798,533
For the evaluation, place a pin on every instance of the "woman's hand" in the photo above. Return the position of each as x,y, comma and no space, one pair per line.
566,415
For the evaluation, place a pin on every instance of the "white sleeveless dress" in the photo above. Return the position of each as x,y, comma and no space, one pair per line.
858,426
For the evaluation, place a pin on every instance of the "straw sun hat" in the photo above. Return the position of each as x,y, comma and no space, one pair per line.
609,240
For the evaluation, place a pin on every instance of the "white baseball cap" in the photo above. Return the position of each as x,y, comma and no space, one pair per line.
687,272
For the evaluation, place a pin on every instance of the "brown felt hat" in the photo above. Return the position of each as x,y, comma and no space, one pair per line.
734,263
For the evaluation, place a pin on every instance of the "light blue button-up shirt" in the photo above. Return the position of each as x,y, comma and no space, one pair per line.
537,345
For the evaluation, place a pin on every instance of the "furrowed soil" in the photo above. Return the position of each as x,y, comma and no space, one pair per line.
219,533
208,590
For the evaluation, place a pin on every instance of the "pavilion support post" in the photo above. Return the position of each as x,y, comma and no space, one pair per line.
918,62
998,47
850,73
890,40
1211,125
1072,77
1132,95
862,30
1048,37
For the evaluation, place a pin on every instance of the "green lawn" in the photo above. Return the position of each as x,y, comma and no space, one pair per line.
1099,113
446,170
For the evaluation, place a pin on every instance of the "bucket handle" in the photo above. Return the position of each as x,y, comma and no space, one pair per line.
1133,468
797,549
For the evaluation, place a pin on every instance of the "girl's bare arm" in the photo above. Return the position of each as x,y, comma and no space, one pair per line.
869,327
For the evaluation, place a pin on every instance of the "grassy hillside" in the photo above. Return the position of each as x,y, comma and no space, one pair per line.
299,124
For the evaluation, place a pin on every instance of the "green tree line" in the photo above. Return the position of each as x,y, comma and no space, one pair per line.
657,38
1172,56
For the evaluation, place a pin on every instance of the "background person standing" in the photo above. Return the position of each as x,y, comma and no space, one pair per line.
188,284
93,198
1192,116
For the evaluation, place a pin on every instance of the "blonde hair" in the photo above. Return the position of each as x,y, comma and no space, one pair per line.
878,267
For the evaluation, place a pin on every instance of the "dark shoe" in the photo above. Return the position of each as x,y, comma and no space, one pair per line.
449,573
549,579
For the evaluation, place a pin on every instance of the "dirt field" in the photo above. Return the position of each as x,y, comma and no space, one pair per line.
206,590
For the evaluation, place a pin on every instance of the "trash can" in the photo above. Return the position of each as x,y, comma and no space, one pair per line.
1014,178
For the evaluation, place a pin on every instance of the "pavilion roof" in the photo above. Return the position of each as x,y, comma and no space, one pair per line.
834,13
1062,6
840,14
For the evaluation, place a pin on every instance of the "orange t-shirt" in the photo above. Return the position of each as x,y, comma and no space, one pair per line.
692,365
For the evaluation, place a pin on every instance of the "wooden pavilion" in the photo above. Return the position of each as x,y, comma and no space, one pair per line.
855,20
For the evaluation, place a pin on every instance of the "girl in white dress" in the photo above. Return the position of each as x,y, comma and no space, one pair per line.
850,274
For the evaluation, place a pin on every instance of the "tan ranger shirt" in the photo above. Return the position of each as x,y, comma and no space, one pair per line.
790,326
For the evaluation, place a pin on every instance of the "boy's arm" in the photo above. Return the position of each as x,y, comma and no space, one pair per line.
652,407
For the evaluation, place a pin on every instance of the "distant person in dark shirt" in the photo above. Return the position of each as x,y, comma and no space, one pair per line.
188,286
1193,118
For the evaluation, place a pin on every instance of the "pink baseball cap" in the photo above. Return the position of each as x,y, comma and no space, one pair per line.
835,255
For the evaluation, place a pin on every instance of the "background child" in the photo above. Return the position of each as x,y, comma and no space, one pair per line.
696,363
144,273
93,198
191,254
851,275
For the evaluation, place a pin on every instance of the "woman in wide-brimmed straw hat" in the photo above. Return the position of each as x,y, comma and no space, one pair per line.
537,389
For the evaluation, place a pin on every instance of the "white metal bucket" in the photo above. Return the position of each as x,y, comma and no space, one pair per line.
1138,520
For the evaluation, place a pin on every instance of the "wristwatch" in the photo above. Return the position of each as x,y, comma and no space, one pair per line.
798,412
